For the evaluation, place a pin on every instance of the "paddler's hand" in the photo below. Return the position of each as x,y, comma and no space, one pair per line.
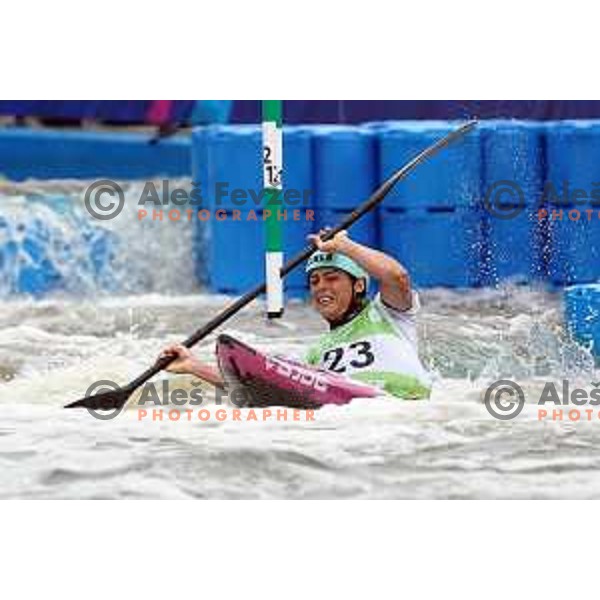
335,244
185,362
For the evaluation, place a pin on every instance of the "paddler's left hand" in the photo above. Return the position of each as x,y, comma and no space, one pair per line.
185,361
335,244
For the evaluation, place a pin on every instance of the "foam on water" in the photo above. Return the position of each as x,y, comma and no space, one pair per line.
49,243
448,446
122,300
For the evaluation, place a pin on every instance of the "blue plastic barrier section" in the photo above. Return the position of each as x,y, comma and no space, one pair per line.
228,165
438,247
344,175
431,221
582,314
512,174
450,179
573,157
366,231
436,221
53,154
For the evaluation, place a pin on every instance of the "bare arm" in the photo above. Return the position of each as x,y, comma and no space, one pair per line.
187,363
393,278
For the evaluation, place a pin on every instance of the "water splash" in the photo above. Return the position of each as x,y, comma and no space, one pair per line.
49,244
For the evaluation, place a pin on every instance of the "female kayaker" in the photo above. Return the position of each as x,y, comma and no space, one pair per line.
371,340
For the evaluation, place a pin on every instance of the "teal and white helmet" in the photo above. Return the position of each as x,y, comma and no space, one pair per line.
321,260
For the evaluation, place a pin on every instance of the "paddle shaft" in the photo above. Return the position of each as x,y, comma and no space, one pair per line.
364,208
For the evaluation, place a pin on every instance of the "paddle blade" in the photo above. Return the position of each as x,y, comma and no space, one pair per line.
113,399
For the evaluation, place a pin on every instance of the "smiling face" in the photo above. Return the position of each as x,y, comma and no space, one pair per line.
332,292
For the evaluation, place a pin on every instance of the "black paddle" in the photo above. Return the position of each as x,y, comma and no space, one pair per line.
116,399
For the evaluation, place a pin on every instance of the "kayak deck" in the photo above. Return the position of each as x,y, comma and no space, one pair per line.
278,381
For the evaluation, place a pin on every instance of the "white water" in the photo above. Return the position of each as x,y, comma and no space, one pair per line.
446,447
121,255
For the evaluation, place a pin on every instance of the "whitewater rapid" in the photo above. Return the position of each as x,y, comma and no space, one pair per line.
445,447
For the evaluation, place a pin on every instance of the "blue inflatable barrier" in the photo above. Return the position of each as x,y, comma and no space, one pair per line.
50,154
436,219
236,255
438,247
228,164
450,179
582,315
513,249
343,166
572,153
512,174
575,248
571,189
344,175
365,230
233,162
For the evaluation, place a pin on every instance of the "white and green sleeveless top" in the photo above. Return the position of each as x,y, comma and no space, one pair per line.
378,347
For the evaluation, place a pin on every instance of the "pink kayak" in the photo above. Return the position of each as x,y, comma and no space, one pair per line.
277,381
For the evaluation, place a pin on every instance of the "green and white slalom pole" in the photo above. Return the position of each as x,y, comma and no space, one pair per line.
272,184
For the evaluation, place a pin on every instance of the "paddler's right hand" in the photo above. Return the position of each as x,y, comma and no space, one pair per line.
185,362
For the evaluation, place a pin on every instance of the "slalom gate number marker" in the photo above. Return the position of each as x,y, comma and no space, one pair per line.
272,183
